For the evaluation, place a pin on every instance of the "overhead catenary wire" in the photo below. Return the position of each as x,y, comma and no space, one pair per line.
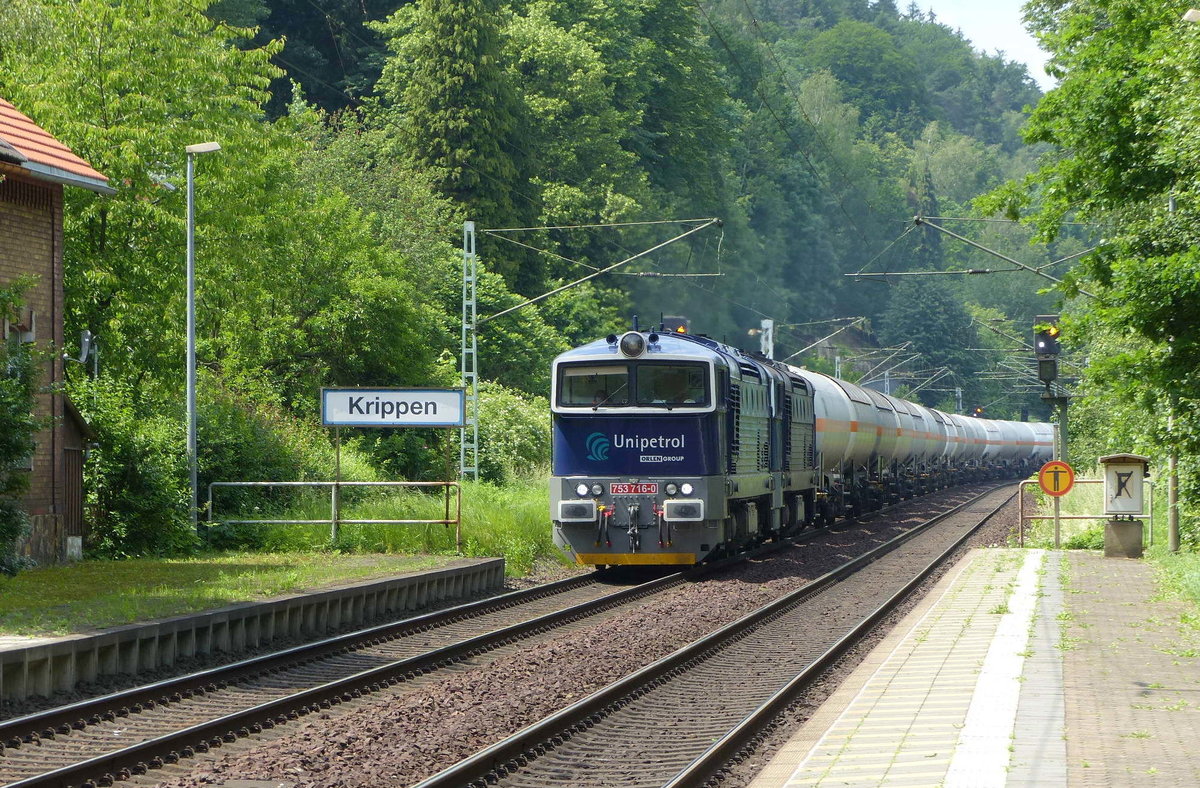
921,220
824,338
1004,257
594,274
900,238
705,221
988,220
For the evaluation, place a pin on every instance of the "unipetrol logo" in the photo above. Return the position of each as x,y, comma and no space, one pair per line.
598,446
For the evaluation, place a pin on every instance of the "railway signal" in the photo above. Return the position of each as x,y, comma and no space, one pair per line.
1046,340
1045,346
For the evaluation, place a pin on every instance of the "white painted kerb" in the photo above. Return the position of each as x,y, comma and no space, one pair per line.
982,754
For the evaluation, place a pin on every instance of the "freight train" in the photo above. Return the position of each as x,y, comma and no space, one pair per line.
672,448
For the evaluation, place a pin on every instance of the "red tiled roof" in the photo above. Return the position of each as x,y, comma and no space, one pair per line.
47,157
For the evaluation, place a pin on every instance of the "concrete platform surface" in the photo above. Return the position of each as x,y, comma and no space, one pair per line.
1021,668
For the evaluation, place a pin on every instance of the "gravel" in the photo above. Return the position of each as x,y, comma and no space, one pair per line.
410,732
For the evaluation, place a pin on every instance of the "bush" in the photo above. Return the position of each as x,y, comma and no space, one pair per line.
17,426
514,434
245,436
1091,539
138,478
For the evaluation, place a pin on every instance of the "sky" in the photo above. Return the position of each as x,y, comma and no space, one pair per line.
991,25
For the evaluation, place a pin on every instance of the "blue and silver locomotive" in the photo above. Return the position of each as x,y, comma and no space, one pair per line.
669,448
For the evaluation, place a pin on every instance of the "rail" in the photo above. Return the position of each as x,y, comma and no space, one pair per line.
335,519
496,760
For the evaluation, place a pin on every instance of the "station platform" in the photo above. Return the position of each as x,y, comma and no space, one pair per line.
39,666
1020,668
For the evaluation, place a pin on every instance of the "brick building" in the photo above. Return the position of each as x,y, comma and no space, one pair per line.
35,168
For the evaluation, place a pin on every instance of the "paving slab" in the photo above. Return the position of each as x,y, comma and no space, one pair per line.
1131,677
1106,670
941,701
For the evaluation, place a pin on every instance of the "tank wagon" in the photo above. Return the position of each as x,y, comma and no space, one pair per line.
670,448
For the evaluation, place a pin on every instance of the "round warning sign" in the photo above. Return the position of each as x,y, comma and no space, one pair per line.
1056,478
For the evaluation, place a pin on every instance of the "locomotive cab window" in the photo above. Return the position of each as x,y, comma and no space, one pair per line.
652,385
671,385
593,386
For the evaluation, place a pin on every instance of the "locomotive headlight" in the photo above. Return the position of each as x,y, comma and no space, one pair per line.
597,489
581,489
671,488
687,489
633,344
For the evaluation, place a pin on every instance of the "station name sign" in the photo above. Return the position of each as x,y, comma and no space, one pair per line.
393,407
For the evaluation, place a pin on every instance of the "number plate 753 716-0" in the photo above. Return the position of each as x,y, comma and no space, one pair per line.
644,488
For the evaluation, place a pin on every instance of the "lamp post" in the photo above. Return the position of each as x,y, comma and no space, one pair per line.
192,151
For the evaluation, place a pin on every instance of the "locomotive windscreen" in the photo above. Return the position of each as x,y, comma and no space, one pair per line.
671,384
667,384
592,385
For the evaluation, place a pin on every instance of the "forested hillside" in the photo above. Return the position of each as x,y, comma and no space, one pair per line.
357,136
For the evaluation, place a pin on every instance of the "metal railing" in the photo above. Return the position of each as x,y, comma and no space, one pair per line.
335,520
1057,517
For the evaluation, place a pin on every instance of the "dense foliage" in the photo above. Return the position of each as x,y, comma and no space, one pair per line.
18,383
1124,122
327,224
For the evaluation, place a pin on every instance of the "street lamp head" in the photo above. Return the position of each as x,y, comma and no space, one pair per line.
203,147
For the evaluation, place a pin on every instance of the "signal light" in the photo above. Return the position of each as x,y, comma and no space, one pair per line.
1045,335
978,412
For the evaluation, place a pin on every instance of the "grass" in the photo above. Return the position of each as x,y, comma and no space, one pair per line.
1179,574
1083,499
94,594
510,521
1088,499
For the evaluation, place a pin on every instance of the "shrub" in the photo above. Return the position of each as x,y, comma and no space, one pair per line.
514,434
244,435
138,477
17,426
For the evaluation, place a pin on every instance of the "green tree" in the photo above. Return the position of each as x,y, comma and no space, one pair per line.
1123,121
452,107
18,384
879,77
930,316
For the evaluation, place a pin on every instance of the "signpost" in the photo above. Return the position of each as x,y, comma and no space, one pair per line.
1123,504
1056,479
391,407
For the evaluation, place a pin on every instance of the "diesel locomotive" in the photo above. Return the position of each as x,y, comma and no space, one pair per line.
670,448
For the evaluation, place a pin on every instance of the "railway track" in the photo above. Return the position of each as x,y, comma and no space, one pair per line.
168,720
104,740
680,720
